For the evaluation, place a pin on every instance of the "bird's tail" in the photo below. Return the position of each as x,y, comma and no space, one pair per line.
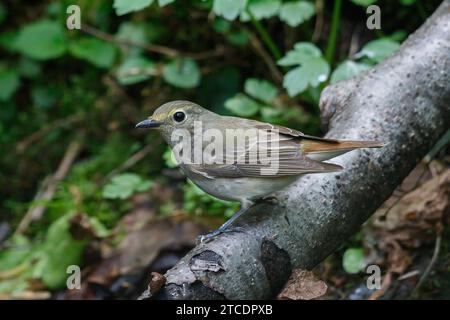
325,149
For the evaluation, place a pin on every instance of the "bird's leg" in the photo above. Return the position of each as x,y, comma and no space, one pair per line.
224,228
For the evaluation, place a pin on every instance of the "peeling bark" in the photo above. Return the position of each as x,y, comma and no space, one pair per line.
404,102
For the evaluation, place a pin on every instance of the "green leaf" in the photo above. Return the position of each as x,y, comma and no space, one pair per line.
229,9
132,32
260,89
295,13
18,252
163,3
221,25
238,37
242,105
126,6
134,70
313,68
311,73
98,52
378,50
182,73
261,9
41,40
353,260
169,159
303,51
364,3
59,251
270,114
124,185
347,69
9,83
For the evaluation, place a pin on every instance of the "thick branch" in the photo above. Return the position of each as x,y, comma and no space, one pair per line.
405,102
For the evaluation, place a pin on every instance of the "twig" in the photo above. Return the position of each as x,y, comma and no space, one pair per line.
319,22
135,158
153,48
277,76
23,144
408,275
437,249
265,36
47,191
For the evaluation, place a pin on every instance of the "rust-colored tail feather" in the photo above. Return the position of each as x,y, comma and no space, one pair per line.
325,149
335,145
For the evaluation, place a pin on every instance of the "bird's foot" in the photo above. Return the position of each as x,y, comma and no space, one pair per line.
272,200
207,237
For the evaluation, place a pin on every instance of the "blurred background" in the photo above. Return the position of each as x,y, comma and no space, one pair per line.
80,186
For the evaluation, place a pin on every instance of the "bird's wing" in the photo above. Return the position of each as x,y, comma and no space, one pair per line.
273,154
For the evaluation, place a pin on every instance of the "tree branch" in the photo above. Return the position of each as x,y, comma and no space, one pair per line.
405,102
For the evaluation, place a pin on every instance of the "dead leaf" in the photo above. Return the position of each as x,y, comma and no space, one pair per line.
303,285
157,281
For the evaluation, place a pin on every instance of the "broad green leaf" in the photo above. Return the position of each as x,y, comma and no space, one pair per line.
221,25
407,2
41,40
346,70
134,33
303,51
378,50
20,249
9,83
239,37
364,3
260,89
270,114
163,3
295,13
182,73
242,105
126,6
124,185
60,250
261,9
134,70
229,9
311,73
353,260
98,52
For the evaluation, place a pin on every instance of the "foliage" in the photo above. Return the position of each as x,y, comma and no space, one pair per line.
353,260
124,185
312,69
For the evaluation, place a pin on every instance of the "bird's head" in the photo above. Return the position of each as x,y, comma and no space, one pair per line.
175,115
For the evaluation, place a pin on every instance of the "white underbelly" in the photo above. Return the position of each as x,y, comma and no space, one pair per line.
242,189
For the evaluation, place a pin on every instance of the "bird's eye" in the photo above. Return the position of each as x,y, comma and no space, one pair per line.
179,116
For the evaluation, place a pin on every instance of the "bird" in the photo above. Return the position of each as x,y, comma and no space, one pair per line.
270,158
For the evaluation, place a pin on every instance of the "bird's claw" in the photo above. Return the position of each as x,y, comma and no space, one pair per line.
206,237
271,200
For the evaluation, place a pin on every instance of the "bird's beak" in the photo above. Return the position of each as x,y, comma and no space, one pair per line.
148,123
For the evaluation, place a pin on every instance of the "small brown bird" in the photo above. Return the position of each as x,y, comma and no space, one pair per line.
270,158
